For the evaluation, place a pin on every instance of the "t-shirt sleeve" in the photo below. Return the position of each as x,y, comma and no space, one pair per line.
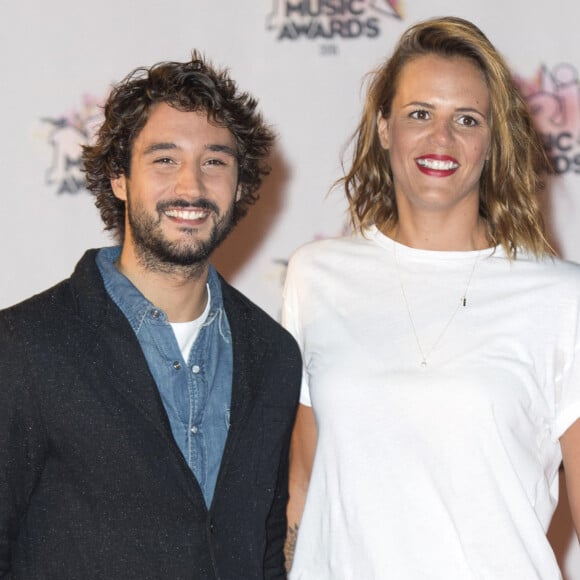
568,394
567,401
291,320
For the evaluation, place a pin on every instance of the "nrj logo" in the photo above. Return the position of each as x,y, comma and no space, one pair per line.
330,19
67,136
554,100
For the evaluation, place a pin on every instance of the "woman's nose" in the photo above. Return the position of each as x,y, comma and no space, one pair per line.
442,133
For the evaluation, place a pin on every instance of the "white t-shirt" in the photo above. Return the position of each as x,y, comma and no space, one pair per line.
447,472
186,333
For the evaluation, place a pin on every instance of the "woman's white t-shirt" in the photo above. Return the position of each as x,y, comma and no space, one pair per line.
442,472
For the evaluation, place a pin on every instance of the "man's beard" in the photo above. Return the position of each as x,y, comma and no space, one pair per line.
157,253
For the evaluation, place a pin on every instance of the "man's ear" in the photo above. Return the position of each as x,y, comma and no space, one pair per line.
239,192
383,130
119,187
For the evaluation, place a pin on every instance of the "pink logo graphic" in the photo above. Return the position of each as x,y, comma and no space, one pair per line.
389,7
67,136
554,100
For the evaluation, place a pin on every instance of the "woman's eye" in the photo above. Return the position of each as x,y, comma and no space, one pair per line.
468,121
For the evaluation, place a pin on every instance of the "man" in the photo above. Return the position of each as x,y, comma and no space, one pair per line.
145,405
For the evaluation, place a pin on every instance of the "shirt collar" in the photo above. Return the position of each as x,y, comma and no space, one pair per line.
130,300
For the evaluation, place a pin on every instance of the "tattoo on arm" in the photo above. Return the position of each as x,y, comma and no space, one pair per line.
290,545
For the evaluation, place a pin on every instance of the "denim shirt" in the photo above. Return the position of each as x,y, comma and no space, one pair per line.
196,393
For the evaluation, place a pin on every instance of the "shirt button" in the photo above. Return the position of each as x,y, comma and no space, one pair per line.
194,429
195,369
176,365
155,313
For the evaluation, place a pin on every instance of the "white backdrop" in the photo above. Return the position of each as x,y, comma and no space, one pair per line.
305,60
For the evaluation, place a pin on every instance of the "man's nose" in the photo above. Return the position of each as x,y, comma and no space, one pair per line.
189,181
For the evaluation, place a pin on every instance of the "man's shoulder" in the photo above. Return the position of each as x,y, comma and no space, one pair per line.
272,348
38,305
243,310
51,305
236,301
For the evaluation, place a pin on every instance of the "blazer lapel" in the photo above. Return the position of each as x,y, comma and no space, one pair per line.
129,373
113,346
249,349
115,351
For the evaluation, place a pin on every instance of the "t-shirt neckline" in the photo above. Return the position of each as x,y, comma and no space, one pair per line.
373,233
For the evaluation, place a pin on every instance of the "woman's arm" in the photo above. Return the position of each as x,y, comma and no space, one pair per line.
570,443
302,450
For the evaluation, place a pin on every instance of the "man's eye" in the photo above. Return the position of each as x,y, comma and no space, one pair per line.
215,162
420,114
164,161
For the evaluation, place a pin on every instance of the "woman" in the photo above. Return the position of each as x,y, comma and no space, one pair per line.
441,385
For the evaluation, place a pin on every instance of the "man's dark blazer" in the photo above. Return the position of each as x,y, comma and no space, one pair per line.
92,483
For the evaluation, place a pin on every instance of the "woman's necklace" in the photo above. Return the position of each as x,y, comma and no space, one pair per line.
462,303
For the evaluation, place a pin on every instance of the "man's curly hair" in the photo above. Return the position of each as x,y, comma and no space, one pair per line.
190,86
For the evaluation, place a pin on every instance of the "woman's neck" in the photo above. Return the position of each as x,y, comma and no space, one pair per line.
440,234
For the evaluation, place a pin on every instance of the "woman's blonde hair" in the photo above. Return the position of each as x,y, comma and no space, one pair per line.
511,176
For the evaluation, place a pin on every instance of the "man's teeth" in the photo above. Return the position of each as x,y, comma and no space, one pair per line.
186,214
437,164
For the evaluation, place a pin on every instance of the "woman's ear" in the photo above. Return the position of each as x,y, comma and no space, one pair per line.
383,130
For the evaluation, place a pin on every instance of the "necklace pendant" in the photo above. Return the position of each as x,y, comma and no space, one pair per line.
462,303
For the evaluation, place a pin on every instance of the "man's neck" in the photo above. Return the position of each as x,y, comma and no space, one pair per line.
179,291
